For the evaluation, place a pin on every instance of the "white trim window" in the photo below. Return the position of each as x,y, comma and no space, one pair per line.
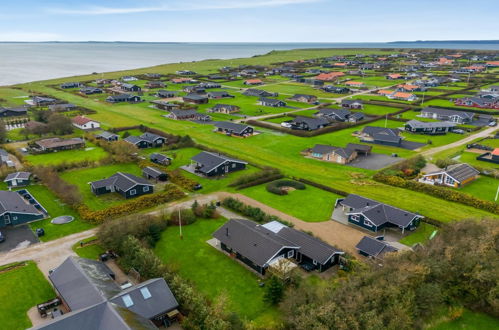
314,262
146,189
367,223
291,253
133,192
146,294
355,217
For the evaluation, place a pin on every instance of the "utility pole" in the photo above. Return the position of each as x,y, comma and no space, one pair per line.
497,193
180,224
422,100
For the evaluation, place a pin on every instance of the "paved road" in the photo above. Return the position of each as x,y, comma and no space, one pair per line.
461,142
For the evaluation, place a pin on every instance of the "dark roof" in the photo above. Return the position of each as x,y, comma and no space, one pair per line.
161,298
306,96
237,128
449,112
342,114
374,247
459,172
133,139
434,124
378,213
224,106
151,137
382,133
194,96
11,201
153,172
271,101
124,181
209,161
158,157
312,123
256,92
83,282
184,113
18,110
359,147
326,149
18,175
106,135
218,94
351,102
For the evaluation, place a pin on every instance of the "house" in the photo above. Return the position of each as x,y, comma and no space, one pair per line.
189,114
95,300
40,101
195,98
374,216
453,116
107,136
70,85
225,108
329,76
18,207
58,144
130,88
90,90
166,94
62,107
492,64
153,173
253,82
332,154
431,128
146,140
304,98
209,85
85,123
403,96
164,105
185,72
455,176
394,76
229,128
478,102
13,112
125,184
308,124
123,98
258,93
491,156
355,117
271,102
160,159
352,104
129,78
212,164
385,92
194,89
219,95
18,179
261,246
182,80
354,84
336,90
341,115
5,159
155,84
373,247
381,135
409,88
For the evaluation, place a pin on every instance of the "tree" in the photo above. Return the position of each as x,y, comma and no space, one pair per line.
3,132
274,291
60,124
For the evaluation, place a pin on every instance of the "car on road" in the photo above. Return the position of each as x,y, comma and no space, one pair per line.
2,237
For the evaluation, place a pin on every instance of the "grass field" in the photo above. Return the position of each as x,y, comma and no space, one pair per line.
311,204
90,251
421,235
213,272
469,321
90,153
484,188
12,97
22,288
82,177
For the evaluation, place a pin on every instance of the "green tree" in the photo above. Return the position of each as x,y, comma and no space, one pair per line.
274,291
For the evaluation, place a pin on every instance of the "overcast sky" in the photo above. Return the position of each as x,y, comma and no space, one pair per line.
248,20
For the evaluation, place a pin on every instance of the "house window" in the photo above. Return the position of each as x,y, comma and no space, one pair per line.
14,218
449,180
355,217
133,192
367,223
145,293
146,188
233,165
127,300
291,253
314,262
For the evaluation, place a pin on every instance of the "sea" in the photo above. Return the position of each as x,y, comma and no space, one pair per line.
24,62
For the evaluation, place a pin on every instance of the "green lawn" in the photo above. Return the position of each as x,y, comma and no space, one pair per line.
22,288
90,251
82,177
421,235
213,272
311,204
12,96
91,153
484,187
469,321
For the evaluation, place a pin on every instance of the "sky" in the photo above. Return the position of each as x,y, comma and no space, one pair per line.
248,20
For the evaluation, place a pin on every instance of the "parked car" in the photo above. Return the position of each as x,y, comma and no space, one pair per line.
493,123
198,186
39,232
458,131
2,237
286,124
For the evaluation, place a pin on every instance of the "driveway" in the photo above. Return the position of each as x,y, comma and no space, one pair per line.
374,161
17,237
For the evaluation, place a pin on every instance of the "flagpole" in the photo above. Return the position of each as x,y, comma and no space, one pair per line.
180,223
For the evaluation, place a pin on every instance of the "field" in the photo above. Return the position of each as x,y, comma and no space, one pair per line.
302,204
484,188
90,153
213,272
421,235
91,251
22,288
82,177
469,321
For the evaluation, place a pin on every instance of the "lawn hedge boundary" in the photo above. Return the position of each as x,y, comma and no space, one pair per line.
321,186
437,191
251,212
275,187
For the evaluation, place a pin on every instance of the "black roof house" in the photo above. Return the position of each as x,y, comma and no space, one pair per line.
334,114
153,173
372,247
453,116
271,102
146,140
231,128
126,184
373,215
96,301
381,135
160,159
258,246
212,164
13,112
258,92
308,124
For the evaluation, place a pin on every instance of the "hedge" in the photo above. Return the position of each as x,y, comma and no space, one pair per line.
251,212
437,191
254,179
321,186
276,187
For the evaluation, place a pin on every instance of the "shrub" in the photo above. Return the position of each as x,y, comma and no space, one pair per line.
279,187
187,217
251,212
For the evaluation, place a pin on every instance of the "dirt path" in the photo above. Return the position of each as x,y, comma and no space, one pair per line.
461,142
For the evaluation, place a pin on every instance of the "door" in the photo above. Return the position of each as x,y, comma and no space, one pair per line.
14,183
7,219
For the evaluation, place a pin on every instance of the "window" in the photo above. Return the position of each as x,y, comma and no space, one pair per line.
14,218
367,223
127,300
291,253
133,192
146,188
233,165
355,217
449,180
145,293
314,262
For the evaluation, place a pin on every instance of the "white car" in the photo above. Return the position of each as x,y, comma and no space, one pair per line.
286,124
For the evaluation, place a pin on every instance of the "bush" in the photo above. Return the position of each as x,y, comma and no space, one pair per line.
253,179
251,212
279,187
68,193
187,217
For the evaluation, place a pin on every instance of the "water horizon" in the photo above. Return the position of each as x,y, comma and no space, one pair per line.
22,62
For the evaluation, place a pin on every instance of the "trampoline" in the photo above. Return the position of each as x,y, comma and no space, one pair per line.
62,219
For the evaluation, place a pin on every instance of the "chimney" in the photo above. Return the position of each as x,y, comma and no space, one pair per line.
226,231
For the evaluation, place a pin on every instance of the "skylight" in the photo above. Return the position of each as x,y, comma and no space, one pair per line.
145,293
127,300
